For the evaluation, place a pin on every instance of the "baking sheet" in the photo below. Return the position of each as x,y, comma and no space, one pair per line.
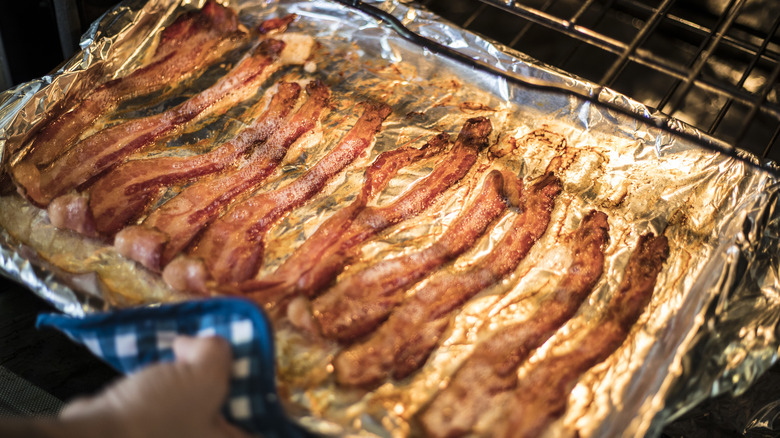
709,328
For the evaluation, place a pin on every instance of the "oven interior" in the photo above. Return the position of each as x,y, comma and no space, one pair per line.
711,63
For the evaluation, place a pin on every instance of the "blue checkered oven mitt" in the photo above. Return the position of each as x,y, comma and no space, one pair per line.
134,338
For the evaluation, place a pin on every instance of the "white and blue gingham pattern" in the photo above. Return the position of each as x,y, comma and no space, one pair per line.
133,338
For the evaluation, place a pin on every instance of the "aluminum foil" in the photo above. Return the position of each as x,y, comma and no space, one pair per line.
710,327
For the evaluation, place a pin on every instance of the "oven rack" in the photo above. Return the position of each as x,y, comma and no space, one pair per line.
717,70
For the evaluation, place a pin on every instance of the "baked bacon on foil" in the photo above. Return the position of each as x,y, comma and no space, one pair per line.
202,220
186,47
181,218
358,303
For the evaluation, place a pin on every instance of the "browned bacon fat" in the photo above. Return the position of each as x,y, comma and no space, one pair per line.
181,218
187,46
124,193
232,247
492,367
360,302
323,255
541,396
402,344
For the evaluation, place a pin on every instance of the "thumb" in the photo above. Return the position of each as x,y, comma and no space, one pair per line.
212,350
209,359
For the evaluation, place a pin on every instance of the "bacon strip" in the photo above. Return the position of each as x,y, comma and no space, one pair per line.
278,24
105,149
191,43
492,367
324,254
181,218
187,273
124,193
359,303
402,344
541,396
232,247
71,211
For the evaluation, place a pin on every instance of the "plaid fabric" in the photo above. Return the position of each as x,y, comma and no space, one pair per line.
133,338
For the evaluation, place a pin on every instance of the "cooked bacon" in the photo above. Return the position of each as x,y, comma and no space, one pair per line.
276,24
125,192
187,46
184,275
181,218
360,302
402,344
232,246
378,175
541,396
387,165
492,367
101,151
71,211
324,254
146,245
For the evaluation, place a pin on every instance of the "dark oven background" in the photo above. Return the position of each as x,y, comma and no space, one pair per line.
711,63
37,35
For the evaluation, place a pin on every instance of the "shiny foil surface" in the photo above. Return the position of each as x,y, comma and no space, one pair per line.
710,327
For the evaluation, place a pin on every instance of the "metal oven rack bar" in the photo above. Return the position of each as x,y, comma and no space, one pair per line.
714,69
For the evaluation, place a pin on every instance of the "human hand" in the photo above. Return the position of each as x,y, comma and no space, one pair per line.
178,399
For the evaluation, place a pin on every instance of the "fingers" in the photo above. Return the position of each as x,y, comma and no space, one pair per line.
209,357
207,363
89,418
211,360
212,351
180,398
77,408
227,430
